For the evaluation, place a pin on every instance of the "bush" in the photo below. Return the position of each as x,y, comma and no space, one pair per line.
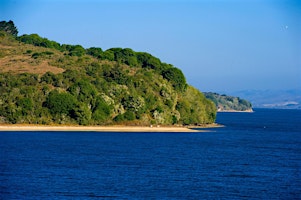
129,116
82,114
36,40
26,105
146,60
95,52
83,90
60,103
48,78
102,111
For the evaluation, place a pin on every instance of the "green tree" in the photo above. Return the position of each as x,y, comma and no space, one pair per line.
82,114
127,56
102,112
95,52
176,77
129,116
9,27
36,40
76,50
26,105
83,90
115,74
146,60
60,103
108,55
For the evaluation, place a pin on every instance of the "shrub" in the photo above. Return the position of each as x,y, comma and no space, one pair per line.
60,103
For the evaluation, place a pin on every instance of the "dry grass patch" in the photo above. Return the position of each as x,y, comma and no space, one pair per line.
14,62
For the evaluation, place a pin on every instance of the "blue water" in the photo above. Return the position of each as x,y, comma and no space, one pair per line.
256,156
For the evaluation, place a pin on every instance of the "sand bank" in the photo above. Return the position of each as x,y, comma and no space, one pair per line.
96,128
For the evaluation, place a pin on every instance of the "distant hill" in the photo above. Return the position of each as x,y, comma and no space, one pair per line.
282,99
44,82
229,103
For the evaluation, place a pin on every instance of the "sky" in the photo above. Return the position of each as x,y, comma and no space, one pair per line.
220,45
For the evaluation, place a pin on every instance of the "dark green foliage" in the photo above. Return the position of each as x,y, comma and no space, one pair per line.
82,114
9,27
146,60
48,77
83,90
129,116
115,74
95,52
176,77
119,118
36,40
75,50
71,76
37,55
102,111
174,119
28,79
127,56
26,104
60,103
108,55
94,69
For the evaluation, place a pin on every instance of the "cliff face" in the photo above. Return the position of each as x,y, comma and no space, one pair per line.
226,103
44,82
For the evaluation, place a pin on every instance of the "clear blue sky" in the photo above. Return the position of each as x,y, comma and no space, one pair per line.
220,45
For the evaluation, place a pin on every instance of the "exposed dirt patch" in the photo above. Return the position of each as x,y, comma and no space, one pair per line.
24,63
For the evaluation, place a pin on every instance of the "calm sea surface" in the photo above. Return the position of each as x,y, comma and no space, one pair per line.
256,156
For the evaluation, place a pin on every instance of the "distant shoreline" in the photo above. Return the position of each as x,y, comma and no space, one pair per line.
244,111
26,127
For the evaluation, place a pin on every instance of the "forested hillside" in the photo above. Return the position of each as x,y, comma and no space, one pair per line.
44,82
229,103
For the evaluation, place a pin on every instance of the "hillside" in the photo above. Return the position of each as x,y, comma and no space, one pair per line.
280,99
229,103
44,82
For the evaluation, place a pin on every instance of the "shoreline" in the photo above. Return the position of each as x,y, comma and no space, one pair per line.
29,127
238,111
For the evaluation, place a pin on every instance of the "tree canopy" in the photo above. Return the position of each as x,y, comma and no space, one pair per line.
9,27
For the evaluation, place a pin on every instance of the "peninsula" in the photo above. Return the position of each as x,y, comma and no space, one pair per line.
47,83
225,103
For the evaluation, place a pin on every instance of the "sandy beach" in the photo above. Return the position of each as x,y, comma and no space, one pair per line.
96,128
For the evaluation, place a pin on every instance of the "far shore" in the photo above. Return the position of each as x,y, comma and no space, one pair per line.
244,111
34,127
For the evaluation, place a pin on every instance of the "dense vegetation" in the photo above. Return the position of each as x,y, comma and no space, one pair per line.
44,82
226,103
9,27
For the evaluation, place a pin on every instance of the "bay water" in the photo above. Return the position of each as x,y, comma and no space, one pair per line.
255,156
